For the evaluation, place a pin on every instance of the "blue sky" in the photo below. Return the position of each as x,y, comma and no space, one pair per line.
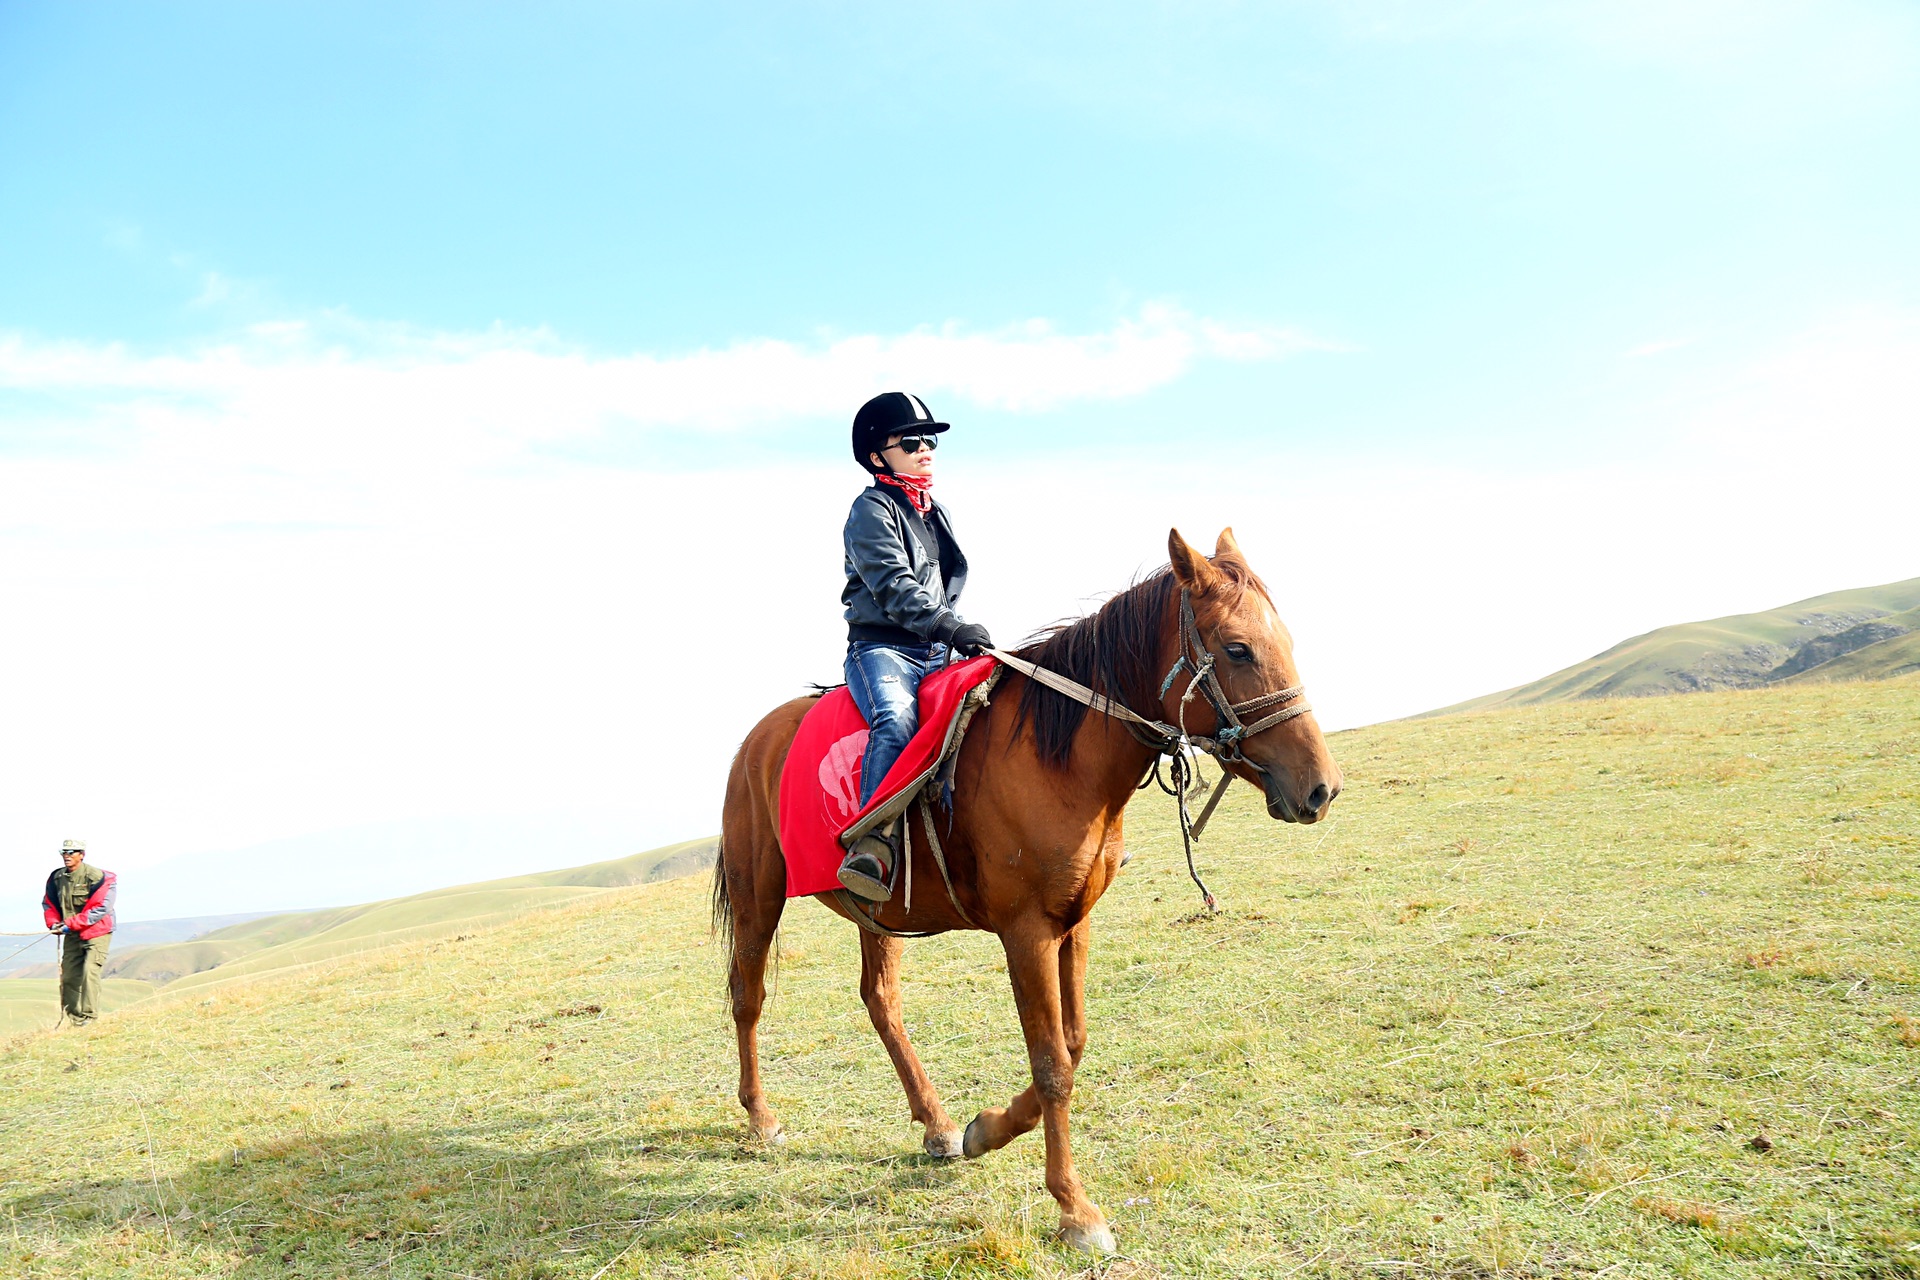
332,337
1492,201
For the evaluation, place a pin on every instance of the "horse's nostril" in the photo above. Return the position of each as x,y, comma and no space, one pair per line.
1319,798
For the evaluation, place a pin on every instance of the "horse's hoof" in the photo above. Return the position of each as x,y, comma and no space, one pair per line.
973,1143
943,1146
772,1135
1095,1239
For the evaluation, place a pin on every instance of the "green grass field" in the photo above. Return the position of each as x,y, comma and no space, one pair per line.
1602,988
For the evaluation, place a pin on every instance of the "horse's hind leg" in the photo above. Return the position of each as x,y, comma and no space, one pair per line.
880,990
756,905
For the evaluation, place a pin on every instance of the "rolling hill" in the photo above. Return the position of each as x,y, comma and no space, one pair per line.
1598,988
1869,633
139,933
257,946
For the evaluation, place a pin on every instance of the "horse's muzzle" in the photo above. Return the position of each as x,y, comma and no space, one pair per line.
1307,809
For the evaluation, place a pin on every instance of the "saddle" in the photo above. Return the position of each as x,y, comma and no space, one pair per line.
820,811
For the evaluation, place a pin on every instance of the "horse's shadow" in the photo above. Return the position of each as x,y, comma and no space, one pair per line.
488,1200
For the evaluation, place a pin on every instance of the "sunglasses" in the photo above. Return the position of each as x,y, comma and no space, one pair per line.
914,444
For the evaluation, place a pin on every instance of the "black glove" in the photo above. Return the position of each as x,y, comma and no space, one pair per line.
971,639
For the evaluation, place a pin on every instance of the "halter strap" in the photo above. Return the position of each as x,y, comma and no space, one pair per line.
1230,731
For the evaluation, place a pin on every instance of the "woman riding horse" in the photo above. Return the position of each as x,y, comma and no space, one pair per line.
905,573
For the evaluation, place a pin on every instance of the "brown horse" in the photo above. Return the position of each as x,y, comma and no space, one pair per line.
1034,838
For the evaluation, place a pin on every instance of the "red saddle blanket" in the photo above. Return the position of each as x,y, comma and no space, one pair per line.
820,782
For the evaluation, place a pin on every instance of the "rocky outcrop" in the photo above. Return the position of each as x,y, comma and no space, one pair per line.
1738,669
1828,647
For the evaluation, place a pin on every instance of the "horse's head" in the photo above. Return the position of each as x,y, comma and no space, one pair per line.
1234,620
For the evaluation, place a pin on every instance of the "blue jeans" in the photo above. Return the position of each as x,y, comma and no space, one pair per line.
884,680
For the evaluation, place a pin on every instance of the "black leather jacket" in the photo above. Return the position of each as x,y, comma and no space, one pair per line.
893,593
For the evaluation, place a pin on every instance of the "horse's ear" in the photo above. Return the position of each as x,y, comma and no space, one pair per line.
1189,566
1228,547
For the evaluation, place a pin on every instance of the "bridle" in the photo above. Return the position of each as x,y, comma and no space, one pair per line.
1227,743
1230,730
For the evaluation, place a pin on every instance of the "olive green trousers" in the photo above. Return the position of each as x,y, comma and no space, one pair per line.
80,966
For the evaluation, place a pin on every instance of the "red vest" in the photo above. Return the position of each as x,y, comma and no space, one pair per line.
95,916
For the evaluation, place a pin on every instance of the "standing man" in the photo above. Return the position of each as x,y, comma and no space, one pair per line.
79,905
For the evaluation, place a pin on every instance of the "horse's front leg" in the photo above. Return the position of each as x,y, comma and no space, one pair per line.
1037,960
880,990
995,1127
1073,988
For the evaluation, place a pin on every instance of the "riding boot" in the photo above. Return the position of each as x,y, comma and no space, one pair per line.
867,870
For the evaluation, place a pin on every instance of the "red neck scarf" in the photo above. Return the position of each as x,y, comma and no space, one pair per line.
919,489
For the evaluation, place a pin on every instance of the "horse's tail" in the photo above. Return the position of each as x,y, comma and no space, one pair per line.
722,904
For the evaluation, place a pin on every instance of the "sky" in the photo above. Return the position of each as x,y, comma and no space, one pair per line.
423,428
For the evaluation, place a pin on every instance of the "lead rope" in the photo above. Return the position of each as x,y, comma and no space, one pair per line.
31,945
1184,773
62,961
1182,770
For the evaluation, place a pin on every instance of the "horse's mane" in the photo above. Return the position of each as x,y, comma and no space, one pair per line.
1112,651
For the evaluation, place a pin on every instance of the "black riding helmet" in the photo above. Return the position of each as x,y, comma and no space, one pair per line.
891,413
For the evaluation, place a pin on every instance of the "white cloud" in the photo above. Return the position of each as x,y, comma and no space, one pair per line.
302,391
305,599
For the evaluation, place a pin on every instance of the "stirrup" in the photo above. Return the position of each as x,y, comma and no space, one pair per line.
864,871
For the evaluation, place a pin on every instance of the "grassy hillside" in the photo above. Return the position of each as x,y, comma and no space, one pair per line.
1743,651
140,933
262,945
1604,987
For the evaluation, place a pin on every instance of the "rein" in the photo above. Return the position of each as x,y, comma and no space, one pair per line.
1229,735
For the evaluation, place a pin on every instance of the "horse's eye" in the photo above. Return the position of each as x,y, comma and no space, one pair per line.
1239,653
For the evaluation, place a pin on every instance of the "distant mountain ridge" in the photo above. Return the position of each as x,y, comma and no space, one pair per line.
1867,633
